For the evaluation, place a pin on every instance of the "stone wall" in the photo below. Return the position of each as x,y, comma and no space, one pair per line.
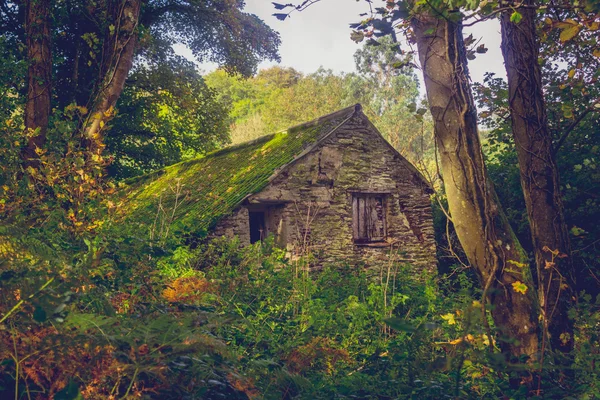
315,200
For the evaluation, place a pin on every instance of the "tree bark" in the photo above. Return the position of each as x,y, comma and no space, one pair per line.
539,176
118,52
39,78
482,228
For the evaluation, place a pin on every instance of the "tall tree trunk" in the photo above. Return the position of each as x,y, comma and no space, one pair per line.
39,77
118,52
539,175
481,226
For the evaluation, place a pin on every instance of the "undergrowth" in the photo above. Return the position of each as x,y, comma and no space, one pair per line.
121,318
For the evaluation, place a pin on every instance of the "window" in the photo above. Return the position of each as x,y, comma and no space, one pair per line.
368,217
257,226
267,219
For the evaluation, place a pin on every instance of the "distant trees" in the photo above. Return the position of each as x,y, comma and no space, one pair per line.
277,98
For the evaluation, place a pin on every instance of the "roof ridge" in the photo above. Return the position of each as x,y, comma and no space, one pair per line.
354,108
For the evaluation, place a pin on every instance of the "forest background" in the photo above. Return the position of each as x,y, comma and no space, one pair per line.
92,93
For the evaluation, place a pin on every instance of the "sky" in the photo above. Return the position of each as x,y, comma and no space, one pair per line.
320,36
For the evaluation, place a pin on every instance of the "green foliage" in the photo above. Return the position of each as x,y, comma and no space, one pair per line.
326,327
577,149
166,114
385,85
119,314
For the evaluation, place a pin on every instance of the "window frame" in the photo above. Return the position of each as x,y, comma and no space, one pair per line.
269,211
356,196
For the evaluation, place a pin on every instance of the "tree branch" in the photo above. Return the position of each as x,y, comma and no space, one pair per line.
573,125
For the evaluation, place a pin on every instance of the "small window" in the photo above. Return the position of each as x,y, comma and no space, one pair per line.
257,226
368,217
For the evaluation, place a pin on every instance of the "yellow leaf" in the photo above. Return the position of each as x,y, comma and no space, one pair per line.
486,339
476,304
596,53
571,74
520,287
569,33
565,337
449,318
456,341
516,263
109,112
549,264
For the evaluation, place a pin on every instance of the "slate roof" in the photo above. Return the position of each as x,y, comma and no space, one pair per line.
194,195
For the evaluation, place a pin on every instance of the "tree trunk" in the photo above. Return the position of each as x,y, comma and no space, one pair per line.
539,176
481,226
39,77
118,52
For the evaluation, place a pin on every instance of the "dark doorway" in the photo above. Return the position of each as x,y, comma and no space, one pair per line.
257,226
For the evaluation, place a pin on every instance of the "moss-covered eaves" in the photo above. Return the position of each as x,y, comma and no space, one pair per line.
190,197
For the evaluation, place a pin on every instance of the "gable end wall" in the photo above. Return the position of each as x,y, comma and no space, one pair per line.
317,192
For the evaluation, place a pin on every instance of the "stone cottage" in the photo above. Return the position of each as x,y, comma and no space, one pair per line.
333,187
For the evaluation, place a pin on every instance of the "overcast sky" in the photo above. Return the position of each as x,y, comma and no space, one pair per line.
320,36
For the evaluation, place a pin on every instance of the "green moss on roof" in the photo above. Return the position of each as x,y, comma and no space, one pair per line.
212,186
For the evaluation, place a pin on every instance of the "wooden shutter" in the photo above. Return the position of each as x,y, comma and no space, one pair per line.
368,217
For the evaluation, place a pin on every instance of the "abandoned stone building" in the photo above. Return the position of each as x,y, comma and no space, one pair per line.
333,187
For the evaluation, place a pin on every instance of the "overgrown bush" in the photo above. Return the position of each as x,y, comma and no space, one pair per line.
116,316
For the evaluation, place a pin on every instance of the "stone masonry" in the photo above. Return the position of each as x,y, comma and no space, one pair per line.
309,202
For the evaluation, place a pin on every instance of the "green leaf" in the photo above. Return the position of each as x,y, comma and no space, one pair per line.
577,231
567,110
39,314
516,17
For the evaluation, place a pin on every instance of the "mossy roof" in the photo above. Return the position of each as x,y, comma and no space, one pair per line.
190,197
